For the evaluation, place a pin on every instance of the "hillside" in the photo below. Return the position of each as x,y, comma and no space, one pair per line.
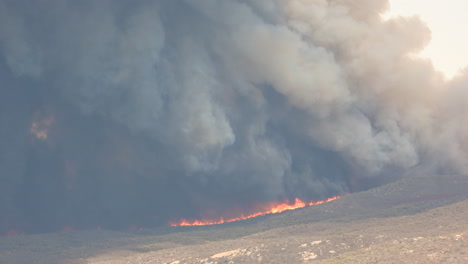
417,220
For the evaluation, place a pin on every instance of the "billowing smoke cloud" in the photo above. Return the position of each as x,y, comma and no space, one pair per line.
120,112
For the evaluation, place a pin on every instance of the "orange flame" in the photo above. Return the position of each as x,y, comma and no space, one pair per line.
40,128
14,233
68,229
268,208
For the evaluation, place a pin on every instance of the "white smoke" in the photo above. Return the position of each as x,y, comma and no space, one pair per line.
280,96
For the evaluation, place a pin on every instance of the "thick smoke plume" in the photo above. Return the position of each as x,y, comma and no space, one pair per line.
137,112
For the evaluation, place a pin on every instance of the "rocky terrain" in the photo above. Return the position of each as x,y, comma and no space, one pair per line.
414,220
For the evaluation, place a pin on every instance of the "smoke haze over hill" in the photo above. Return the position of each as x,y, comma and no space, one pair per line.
120,112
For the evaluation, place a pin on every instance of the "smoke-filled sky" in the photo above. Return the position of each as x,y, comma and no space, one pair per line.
139,112
446,20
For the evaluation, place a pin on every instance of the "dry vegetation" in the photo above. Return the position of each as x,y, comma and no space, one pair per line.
416,220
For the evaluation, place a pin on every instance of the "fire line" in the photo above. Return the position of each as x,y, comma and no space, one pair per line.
269,208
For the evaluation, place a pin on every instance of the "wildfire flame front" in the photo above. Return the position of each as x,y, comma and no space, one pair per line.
269,208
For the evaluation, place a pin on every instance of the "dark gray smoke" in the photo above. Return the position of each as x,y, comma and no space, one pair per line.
137,112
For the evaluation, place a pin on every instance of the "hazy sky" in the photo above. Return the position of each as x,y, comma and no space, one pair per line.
446,19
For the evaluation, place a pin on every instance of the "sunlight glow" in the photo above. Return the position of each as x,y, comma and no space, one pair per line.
447,20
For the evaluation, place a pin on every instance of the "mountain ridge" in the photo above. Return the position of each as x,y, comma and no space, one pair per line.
418,215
